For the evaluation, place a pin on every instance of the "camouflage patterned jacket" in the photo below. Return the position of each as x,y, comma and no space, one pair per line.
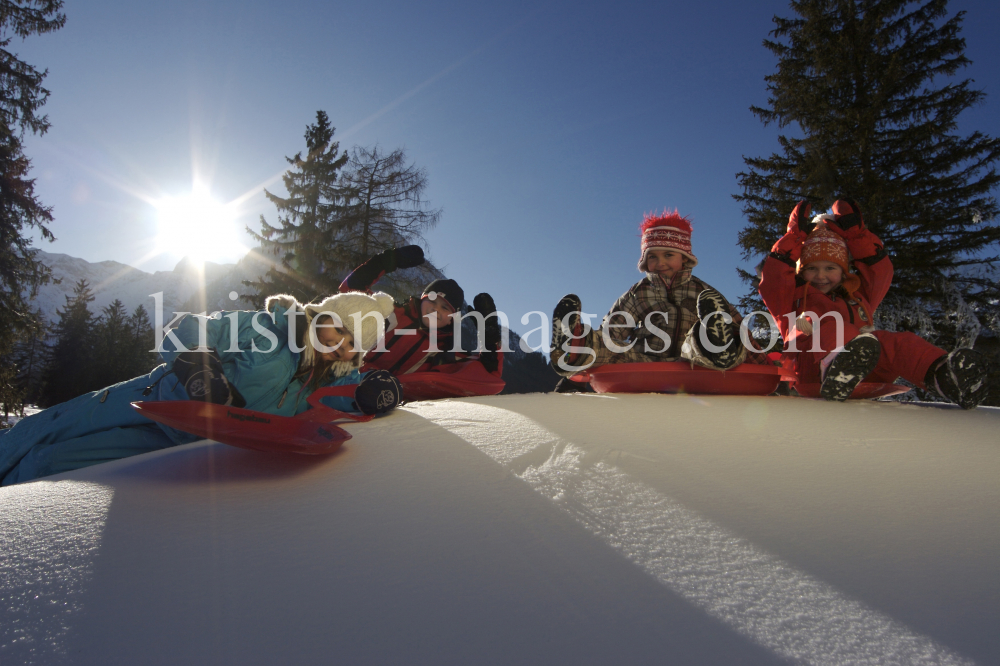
677,300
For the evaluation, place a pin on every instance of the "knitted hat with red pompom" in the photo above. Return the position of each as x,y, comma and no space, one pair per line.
825,245
667,231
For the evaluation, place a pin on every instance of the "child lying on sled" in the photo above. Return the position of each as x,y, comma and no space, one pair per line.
421,331
825,310
668,315
268,361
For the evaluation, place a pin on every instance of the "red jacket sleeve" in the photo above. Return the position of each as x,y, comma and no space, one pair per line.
777,288
870,261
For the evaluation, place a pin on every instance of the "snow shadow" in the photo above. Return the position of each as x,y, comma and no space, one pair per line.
771,601
413,548
211,462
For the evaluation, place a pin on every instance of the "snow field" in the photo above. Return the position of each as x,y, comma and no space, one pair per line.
529,529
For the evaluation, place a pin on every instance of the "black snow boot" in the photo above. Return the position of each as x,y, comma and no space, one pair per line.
711,306
567,385
849,367
962,377
568,305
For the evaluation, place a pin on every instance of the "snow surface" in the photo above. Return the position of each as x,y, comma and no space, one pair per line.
14,418
580,528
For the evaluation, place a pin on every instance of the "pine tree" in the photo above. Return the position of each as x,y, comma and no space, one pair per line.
870,88
21,96
29,356
386,207
141,340
69,368
112,338
303,241
24,364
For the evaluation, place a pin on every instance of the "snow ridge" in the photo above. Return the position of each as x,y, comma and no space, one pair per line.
785,610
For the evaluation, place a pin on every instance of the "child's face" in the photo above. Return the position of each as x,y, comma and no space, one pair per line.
437,312
664,262
332,336
823,276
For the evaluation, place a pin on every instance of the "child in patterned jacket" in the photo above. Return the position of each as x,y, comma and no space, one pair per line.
668,315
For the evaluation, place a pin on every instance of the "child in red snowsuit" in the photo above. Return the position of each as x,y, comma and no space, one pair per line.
421,330
824,312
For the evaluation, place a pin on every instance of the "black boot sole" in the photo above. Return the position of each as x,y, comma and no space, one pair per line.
570,303
710,307
963,378
855,362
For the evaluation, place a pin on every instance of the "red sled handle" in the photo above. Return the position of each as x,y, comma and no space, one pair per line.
325,414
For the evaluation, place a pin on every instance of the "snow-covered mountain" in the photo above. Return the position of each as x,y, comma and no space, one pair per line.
110,280
190,287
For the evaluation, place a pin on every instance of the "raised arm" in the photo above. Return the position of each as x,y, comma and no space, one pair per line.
777,279
367,274
870,259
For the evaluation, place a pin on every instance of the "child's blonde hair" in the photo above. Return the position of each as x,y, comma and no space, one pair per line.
361,315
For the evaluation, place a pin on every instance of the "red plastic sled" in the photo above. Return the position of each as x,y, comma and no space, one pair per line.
680,377
312,432
863,391
453,380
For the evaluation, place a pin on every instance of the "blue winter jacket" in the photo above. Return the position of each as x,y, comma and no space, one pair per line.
102,426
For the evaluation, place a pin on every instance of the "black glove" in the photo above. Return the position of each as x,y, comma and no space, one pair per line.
801,218
364,276
484,305
847,214
378,393
203,379
407,256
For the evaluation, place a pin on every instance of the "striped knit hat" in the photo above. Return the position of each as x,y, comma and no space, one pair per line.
825,245
667,231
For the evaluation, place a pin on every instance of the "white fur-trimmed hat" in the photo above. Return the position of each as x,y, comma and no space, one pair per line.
354,308
361,314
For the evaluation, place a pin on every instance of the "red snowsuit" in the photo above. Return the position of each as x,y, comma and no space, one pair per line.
903,354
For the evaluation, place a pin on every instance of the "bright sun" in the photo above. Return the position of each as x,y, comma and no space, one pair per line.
196,225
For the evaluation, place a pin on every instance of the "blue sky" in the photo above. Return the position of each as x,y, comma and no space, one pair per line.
547,128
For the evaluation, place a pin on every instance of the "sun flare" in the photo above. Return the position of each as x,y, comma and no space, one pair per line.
196,225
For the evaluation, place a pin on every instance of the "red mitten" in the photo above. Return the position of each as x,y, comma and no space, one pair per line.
799,226
848,222
800,220
790,245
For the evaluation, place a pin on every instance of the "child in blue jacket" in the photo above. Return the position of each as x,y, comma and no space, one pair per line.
269,361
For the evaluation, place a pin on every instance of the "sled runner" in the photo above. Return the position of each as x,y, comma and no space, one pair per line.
312,432
453,380
863,391
681,377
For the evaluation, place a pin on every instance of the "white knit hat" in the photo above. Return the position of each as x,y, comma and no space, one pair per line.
354,308
365,329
